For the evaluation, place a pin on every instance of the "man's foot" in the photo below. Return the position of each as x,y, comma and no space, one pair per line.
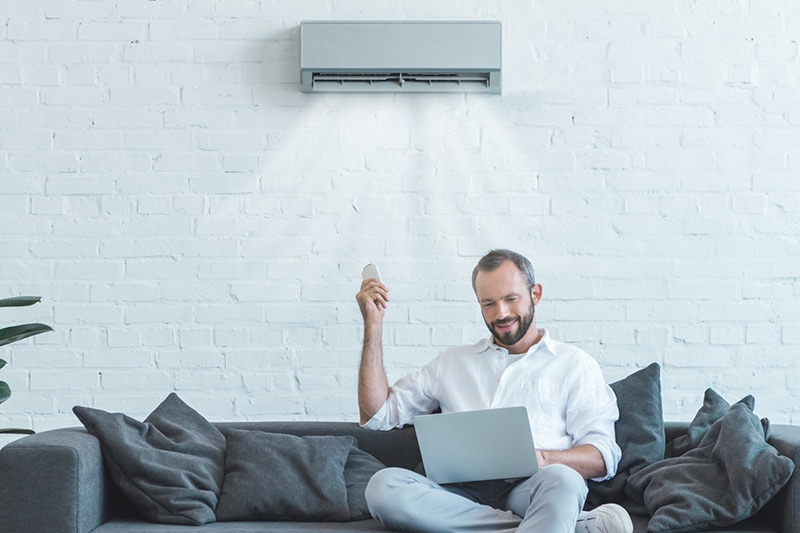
608,518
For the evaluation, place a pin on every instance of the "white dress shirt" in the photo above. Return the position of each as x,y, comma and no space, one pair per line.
568,401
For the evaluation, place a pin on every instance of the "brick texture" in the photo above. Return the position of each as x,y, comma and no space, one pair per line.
195,223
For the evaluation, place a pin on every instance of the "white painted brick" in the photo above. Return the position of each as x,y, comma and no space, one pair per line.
42,75
83,337
208,381
160,314
118,360
72,9
143,96
111,31
731,334
79,380
136,381
790,334
122,337
49,30
19,96
177,184
85,314
66,96
259,407
260,382
156,335
194,359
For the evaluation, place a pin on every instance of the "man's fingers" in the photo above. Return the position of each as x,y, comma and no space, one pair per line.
373,291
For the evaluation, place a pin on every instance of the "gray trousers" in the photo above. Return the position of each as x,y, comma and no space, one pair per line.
547,502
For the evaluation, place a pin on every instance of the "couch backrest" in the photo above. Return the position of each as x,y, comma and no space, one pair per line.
397,447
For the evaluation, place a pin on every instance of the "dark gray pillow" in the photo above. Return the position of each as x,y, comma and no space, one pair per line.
639,434
728,477
358,470
275,476
714,407
170,467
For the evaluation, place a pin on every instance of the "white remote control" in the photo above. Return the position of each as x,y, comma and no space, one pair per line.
371,271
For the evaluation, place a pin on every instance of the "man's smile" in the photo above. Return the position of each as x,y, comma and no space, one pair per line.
506,325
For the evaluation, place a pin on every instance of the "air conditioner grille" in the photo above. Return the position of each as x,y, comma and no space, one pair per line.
413,81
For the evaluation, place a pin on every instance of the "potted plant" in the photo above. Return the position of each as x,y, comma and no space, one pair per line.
14,334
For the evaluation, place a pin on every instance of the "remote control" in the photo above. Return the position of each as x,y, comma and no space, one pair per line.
371,271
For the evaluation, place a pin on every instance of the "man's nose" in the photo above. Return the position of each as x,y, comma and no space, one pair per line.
502,311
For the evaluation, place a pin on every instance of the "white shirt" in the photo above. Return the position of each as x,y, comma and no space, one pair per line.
568,401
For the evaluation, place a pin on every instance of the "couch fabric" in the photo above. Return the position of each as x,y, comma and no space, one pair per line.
176,468
58,482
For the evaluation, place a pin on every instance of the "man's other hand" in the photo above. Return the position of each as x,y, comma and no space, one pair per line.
372,300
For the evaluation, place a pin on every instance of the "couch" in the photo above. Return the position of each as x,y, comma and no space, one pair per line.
55,481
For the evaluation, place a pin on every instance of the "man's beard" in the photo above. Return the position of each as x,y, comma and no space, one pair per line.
512,337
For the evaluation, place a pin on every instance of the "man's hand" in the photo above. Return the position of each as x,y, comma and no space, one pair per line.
585,459
372,300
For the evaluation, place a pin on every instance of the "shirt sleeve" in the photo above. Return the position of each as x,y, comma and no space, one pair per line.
591,415
412,395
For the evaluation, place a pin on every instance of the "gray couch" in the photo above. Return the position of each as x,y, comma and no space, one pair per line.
55,482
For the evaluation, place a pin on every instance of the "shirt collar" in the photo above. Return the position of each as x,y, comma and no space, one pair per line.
545,343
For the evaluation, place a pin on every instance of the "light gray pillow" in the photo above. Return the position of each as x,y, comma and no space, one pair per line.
275,476
170,467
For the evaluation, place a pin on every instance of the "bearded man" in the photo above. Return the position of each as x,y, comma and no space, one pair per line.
571,410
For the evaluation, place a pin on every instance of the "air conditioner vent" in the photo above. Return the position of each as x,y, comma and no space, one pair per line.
400,56
400,81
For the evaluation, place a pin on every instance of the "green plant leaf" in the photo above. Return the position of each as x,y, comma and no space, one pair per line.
2,363
17,333
18,431
20,301
5,391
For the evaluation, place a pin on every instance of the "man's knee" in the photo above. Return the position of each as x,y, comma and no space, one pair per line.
564,480
386,498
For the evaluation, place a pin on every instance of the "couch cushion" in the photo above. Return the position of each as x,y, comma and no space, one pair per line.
639,434
170,467
272,476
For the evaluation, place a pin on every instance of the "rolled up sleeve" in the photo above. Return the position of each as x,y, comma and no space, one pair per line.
592,416
410,396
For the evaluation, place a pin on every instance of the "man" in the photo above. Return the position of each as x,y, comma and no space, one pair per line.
571,409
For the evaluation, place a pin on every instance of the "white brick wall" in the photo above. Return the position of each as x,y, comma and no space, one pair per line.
195,223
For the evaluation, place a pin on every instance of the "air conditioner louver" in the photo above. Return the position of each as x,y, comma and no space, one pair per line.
394,81
400,56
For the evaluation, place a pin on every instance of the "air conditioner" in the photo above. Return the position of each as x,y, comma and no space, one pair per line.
400,56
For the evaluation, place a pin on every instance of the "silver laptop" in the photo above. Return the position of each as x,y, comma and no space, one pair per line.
477,445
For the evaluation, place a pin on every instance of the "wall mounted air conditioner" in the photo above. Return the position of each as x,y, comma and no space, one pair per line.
400,56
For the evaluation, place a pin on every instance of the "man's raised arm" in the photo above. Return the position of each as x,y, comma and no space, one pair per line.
373,387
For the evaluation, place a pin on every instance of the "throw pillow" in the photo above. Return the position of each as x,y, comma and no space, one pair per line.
639,433
358,470
728,477
275,476
713,408
170,467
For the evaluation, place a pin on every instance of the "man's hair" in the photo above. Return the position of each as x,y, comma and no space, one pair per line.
495,258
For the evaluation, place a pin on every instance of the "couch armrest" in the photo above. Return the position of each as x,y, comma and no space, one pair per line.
53,481
783,511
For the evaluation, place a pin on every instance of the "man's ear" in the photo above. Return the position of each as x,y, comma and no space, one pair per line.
536,293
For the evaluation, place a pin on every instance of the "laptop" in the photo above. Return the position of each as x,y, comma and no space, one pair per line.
477,445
